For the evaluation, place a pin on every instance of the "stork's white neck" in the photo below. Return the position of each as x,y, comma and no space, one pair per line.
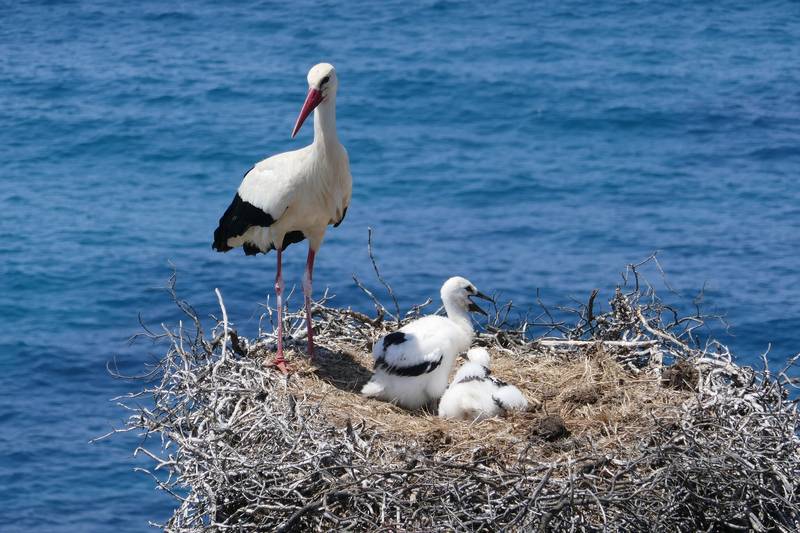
325,122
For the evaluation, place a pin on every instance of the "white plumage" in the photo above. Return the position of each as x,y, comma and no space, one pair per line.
295,195
412,364
475,394
302,191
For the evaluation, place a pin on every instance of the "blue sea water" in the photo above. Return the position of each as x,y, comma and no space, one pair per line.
524,145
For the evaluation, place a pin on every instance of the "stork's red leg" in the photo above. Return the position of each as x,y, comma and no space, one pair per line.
307,279
280,362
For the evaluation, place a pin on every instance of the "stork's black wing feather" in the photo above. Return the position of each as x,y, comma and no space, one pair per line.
344,214
408,371
398,337
237,219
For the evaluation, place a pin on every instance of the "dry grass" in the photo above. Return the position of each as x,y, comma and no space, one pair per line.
601,403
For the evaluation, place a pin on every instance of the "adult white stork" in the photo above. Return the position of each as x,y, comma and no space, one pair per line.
293,196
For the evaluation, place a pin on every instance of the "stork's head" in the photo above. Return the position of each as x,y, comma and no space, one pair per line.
458,291
322,84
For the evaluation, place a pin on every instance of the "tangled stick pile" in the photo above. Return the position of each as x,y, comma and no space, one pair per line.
634,427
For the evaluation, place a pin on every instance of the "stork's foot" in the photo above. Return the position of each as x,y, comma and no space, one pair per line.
280,364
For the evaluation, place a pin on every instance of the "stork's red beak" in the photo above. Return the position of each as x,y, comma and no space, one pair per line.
313,99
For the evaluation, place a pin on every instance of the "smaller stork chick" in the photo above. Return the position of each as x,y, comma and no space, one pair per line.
475,394
412,364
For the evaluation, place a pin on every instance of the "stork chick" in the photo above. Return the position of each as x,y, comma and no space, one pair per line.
412,364
475,394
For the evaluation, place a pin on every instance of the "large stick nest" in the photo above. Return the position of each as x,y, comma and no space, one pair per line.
615,439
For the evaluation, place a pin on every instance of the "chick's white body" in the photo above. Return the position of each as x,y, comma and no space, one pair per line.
475,394
432,341
412,365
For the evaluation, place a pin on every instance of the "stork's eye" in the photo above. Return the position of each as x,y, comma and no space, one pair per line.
325,80
471,290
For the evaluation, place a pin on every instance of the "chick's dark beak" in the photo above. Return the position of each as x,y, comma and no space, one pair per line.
473,307
479,294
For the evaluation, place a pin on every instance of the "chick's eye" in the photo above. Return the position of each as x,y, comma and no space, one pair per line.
325,80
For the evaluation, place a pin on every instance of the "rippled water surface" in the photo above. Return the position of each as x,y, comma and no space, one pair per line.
526,146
